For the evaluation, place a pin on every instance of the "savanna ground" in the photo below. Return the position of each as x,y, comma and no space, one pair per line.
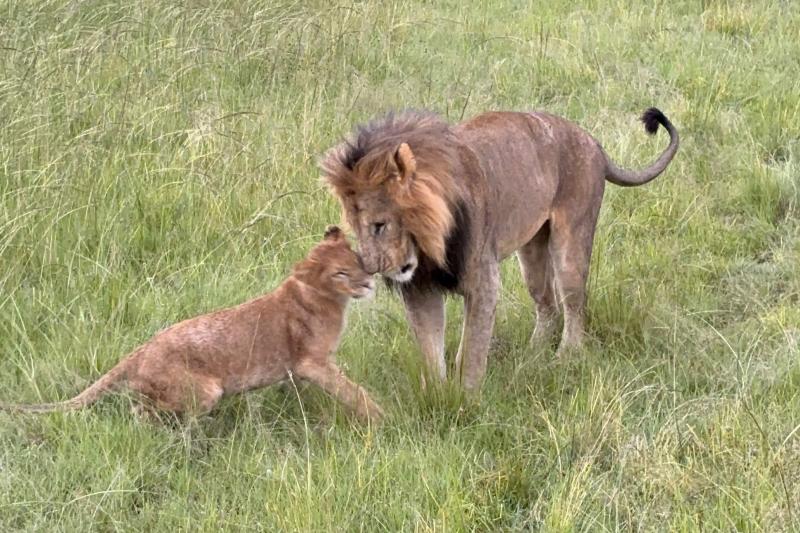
158,160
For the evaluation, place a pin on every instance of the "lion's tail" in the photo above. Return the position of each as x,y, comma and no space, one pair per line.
627,178
93,393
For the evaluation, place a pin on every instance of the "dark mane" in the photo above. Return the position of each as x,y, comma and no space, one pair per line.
418,128
427,134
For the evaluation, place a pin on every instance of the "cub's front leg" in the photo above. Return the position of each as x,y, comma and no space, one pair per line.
332,380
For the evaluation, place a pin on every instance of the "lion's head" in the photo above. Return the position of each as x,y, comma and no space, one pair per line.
393,178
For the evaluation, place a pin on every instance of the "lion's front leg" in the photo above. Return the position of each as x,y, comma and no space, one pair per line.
425,314
480,301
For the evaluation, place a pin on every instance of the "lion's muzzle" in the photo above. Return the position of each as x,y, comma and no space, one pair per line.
405,272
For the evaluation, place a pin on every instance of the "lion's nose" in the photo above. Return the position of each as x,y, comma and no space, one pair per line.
370,267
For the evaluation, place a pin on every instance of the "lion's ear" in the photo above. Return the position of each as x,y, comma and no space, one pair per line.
333,233
406,163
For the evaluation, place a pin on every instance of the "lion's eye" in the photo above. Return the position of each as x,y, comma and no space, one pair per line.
378,228
341,275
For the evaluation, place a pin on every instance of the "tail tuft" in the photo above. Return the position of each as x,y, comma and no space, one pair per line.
627,178
652,118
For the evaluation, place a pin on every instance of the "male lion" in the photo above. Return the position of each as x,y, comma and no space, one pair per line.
293,329
436,208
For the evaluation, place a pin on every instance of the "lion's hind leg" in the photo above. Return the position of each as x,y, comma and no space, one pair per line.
537,271
571,251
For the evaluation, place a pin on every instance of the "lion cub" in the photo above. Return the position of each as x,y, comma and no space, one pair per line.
292,330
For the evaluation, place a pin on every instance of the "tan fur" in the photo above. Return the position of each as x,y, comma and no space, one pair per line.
437,207
294,330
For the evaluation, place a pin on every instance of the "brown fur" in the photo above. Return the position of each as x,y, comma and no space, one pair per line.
294,330
438,207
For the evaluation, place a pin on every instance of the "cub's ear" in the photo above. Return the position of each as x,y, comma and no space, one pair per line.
333,233
406,163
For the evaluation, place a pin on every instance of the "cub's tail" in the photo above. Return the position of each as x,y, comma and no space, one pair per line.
628,178
93,393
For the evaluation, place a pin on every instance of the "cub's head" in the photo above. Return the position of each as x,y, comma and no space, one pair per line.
394,181
332,266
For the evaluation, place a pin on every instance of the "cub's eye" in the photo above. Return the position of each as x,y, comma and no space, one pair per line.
378,228
341,275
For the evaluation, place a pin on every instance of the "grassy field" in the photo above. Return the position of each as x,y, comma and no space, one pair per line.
158,160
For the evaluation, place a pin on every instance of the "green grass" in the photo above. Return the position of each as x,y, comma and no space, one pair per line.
158,160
